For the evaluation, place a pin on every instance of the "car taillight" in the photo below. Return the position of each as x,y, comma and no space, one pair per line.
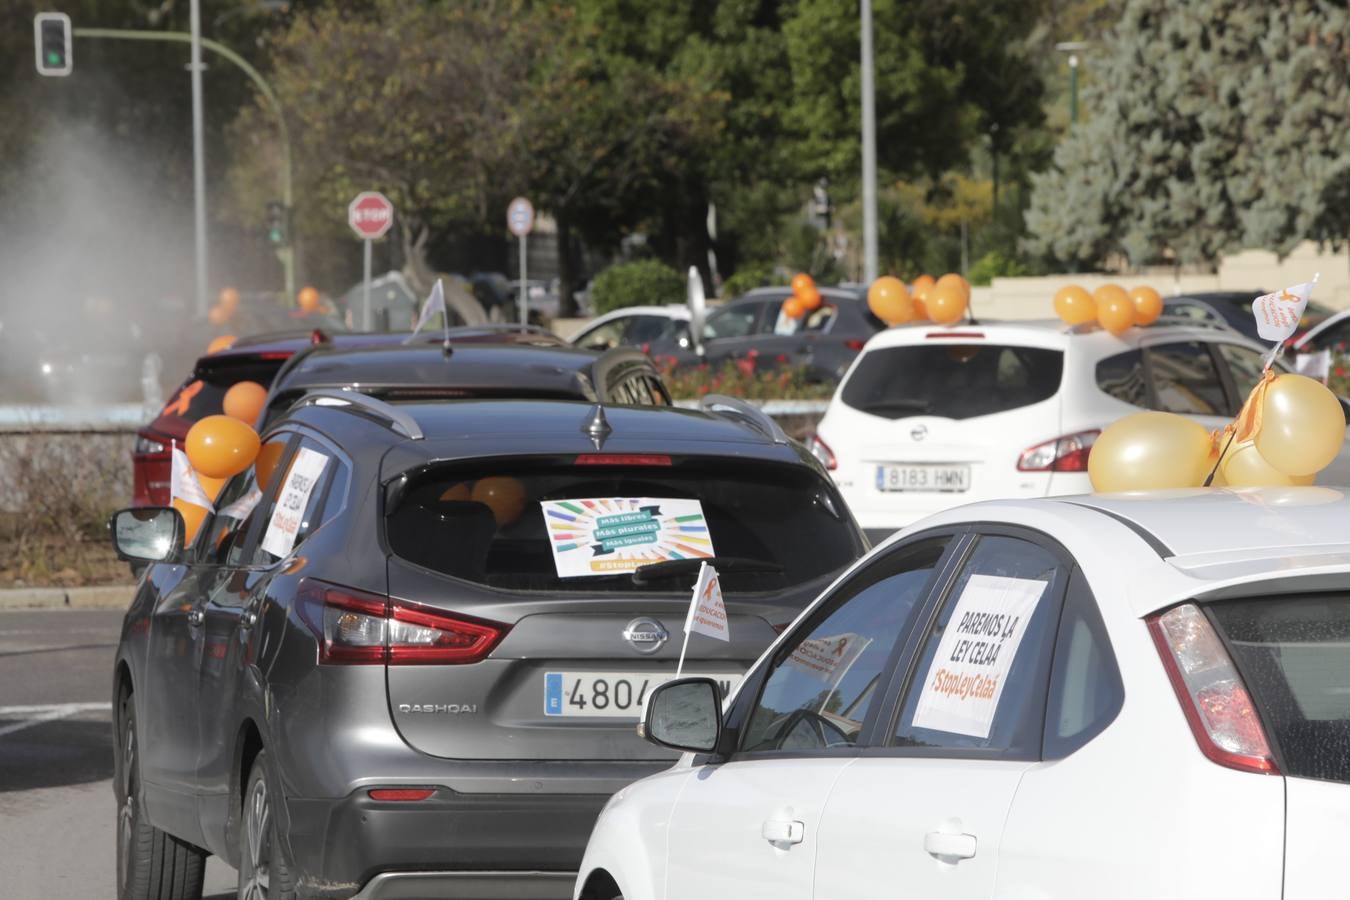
854,344
622,459
821,451
356,627
1063,454
1211,692
148,446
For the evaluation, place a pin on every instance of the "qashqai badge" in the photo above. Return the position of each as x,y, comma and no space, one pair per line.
646,635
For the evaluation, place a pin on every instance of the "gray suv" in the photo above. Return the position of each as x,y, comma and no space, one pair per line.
406,656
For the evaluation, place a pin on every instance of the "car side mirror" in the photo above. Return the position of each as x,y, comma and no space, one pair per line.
147,533
684,715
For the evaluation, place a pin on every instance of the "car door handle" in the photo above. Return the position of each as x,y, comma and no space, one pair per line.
195,616
250,618
783,831
947,846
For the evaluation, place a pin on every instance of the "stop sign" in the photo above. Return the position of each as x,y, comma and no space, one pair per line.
371,215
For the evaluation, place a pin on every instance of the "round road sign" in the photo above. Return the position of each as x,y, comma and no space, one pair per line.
371,215
520,217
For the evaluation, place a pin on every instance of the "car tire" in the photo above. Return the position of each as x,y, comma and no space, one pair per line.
265,871
151,864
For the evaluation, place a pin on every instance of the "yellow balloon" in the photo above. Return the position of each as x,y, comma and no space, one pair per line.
1075,305
1243,466
1150,451
1302,425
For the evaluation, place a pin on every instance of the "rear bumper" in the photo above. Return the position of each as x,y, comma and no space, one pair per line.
450,845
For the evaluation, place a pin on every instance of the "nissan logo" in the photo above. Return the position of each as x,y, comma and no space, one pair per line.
919,433
646,635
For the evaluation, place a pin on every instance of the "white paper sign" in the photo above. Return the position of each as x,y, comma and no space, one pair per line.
978,646
707,612
600,535
290,509
828,658
1278,314
1314,365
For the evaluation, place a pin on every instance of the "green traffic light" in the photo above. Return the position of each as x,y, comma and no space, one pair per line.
53,58
274,235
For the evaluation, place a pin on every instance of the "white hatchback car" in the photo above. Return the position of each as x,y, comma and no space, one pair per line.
929,417
1105,696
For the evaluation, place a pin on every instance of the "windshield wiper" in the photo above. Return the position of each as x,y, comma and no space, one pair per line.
909,405
675,567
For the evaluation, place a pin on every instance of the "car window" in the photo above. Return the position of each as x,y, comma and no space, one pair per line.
955,381
1085,688
237,505
1246,366
732,321
1194,312
980,680
821,686
604,337
1185,380
819,319
647,329
292,512
1335,338
1122,376
542,525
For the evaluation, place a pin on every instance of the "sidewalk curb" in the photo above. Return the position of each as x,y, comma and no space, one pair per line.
116,596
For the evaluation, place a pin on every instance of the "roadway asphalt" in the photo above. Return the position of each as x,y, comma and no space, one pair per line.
57,835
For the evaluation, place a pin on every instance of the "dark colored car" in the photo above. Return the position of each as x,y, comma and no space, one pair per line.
402,666
425,372
259,358
752,327
1232,309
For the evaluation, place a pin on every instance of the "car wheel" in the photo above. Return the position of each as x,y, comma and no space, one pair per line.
151,864
264,871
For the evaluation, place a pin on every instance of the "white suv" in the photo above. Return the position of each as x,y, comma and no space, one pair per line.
928,416
1108,697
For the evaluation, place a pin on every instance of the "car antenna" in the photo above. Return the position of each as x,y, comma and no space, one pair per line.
597,427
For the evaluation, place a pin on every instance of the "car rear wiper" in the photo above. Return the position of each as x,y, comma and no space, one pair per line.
674,567
908,405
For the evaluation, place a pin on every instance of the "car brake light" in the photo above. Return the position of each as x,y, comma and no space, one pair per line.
821,451
1063,454
622,459
968,335
400,794
1211,692
854,344
276,354
357,627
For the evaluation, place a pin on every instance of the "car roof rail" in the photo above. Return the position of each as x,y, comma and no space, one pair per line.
384,413
745,413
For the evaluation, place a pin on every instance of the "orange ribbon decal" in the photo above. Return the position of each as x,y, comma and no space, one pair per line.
183,399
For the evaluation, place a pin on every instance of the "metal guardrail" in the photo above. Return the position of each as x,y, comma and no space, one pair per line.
119,417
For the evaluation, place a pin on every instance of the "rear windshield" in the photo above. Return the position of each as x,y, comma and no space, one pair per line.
551,526
955,381
1294,655
203,394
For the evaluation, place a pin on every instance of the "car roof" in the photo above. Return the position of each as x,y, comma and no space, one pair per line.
783,290
1049,333
670,311
1162,547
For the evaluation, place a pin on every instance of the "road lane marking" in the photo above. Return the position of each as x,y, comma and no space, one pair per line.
46,713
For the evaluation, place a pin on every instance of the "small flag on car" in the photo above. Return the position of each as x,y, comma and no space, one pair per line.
1278,314
183,483
435,304
707,613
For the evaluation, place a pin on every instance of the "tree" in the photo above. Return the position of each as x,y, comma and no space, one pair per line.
1213,126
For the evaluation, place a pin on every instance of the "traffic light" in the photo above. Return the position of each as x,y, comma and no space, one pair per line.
51,43
278,226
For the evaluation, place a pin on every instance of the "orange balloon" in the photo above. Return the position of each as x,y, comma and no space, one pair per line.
193,516
218,315
308,299
923,283
228,300
459,491
889,301
793,308
266,464
244,401
1148,305
224,342
1115,314
211,486
920,309
951,279
810,298
946,304
504,495
221,446
1075,305
801,283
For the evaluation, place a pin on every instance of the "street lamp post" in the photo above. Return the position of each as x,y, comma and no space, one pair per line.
198,156
1073,48
869,150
